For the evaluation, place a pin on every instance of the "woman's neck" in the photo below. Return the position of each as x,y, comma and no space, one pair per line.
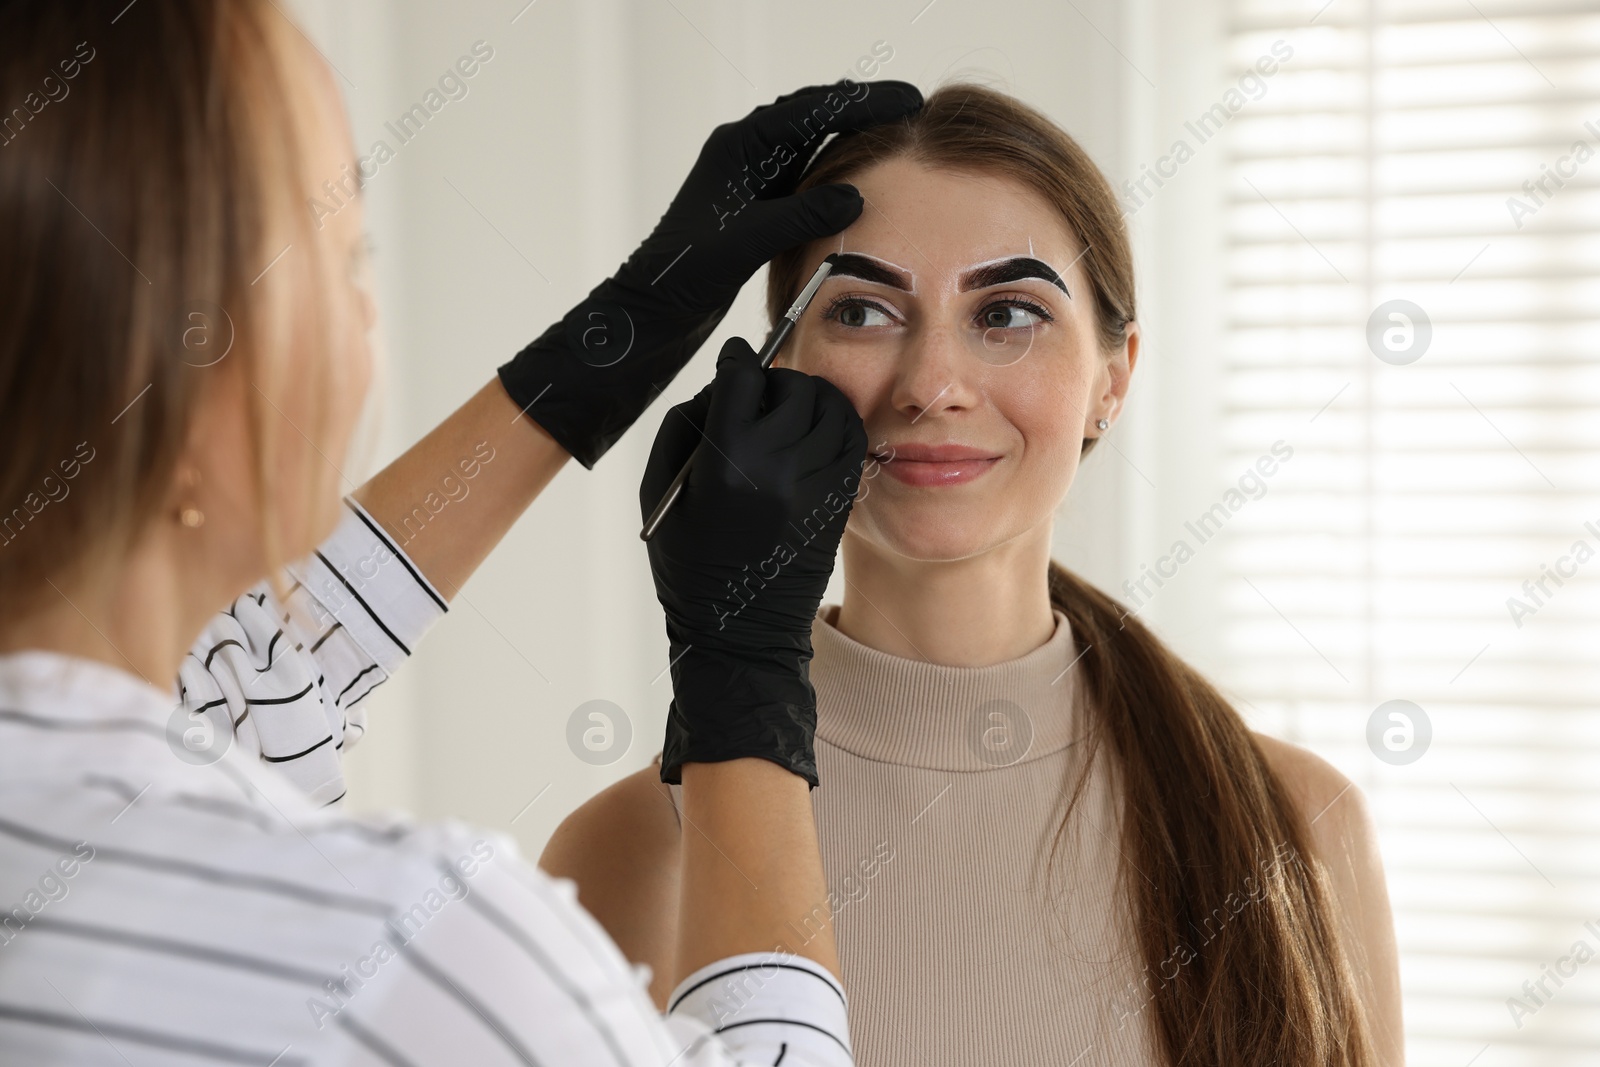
143,624
973,612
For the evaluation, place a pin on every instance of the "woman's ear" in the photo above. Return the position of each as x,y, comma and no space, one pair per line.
1119,371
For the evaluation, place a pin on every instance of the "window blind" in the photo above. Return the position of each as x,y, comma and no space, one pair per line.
1435,538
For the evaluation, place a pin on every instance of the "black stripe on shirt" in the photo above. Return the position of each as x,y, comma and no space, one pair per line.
535,952
290,699
372,1042
297,755
434,974
364,605
365,671
401,556
201,873
365,693
209,805
152,1038
218,647
784,1022
753,967
184,949
226,641
326,634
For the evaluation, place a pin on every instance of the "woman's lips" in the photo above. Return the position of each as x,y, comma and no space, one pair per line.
930,465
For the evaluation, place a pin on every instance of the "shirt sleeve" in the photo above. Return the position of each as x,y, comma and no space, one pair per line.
767,1007
286,681
516,972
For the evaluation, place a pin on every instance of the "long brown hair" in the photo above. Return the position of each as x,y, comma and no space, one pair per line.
152,148
1206,823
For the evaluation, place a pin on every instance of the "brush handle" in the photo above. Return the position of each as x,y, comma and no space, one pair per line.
769,352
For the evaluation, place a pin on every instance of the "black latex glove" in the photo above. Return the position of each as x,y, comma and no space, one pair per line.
589,376
742,560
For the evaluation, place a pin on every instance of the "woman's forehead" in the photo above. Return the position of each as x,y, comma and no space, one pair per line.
937,226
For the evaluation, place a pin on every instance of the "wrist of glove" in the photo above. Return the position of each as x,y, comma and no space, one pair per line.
729,708
588,377
742,560
591,374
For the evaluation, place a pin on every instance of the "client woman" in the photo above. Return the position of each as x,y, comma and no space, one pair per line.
1049,840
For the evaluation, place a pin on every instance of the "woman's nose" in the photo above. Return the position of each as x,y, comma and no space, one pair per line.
933,375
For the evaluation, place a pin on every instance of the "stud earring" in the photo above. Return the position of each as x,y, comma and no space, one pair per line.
1102,424
189,515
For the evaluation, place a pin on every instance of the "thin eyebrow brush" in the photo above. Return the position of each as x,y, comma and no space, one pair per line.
769,351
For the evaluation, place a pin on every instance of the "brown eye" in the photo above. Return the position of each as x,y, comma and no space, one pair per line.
1004,315
854,313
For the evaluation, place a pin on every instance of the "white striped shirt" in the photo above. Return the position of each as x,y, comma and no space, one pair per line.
286,682
169,899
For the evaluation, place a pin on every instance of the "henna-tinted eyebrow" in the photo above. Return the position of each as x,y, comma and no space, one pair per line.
848,264
1014,269
1010,270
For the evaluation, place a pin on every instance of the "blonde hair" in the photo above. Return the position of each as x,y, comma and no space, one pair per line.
137,212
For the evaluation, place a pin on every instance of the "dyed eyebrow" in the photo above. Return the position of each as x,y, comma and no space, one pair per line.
1011,270
848,264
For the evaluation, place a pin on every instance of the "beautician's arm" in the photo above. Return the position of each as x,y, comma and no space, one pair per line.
451,544
752,868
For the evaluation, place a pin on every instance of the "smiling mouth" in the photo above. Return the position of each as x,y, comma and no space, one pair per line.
926,466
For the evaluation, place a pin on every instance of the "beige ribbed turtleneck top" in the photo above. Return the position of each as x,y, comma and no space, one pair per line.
941,791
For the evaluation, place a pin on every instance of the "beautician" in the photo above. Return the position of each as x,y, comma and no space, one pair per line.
168,901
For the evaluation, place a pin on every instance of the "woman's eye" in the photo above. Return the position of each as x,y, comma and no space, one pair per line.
857,315
1011,317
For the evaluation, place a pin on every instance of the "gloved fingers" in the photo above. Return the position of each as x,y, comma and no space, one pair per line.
819,110
832,401
789,403
768,227
737,392
837,441
681,433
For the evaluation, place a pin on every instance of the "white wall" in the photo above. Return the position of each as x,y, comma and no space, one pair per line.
570,143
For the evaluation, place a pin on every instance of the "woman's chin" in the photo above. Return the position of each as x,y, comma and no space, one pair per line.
928,538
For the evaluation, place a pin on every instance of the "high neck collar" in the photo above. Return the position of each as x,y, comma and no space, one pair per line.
897,710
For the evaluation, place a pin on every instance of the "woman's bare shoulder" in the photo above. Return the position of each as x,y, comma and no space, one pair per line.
1325,796
621,849
635,812
1345,839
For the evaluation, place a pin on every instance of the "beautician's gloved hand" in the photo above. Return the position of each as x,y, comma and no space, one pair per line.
589,376
742,560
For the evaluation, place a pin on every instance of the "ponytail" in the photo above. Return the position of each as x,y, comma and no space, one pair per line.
1232,911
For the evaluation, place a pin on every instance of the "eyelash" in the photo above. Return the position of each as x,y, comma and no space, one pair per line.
838,304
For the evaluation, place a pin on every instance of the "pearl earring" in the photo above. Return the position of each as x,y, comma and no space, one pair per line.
1102,424
191,516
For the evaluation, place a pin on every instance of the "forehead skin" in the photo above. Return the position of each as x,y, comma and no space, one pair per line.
318,107
938,223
